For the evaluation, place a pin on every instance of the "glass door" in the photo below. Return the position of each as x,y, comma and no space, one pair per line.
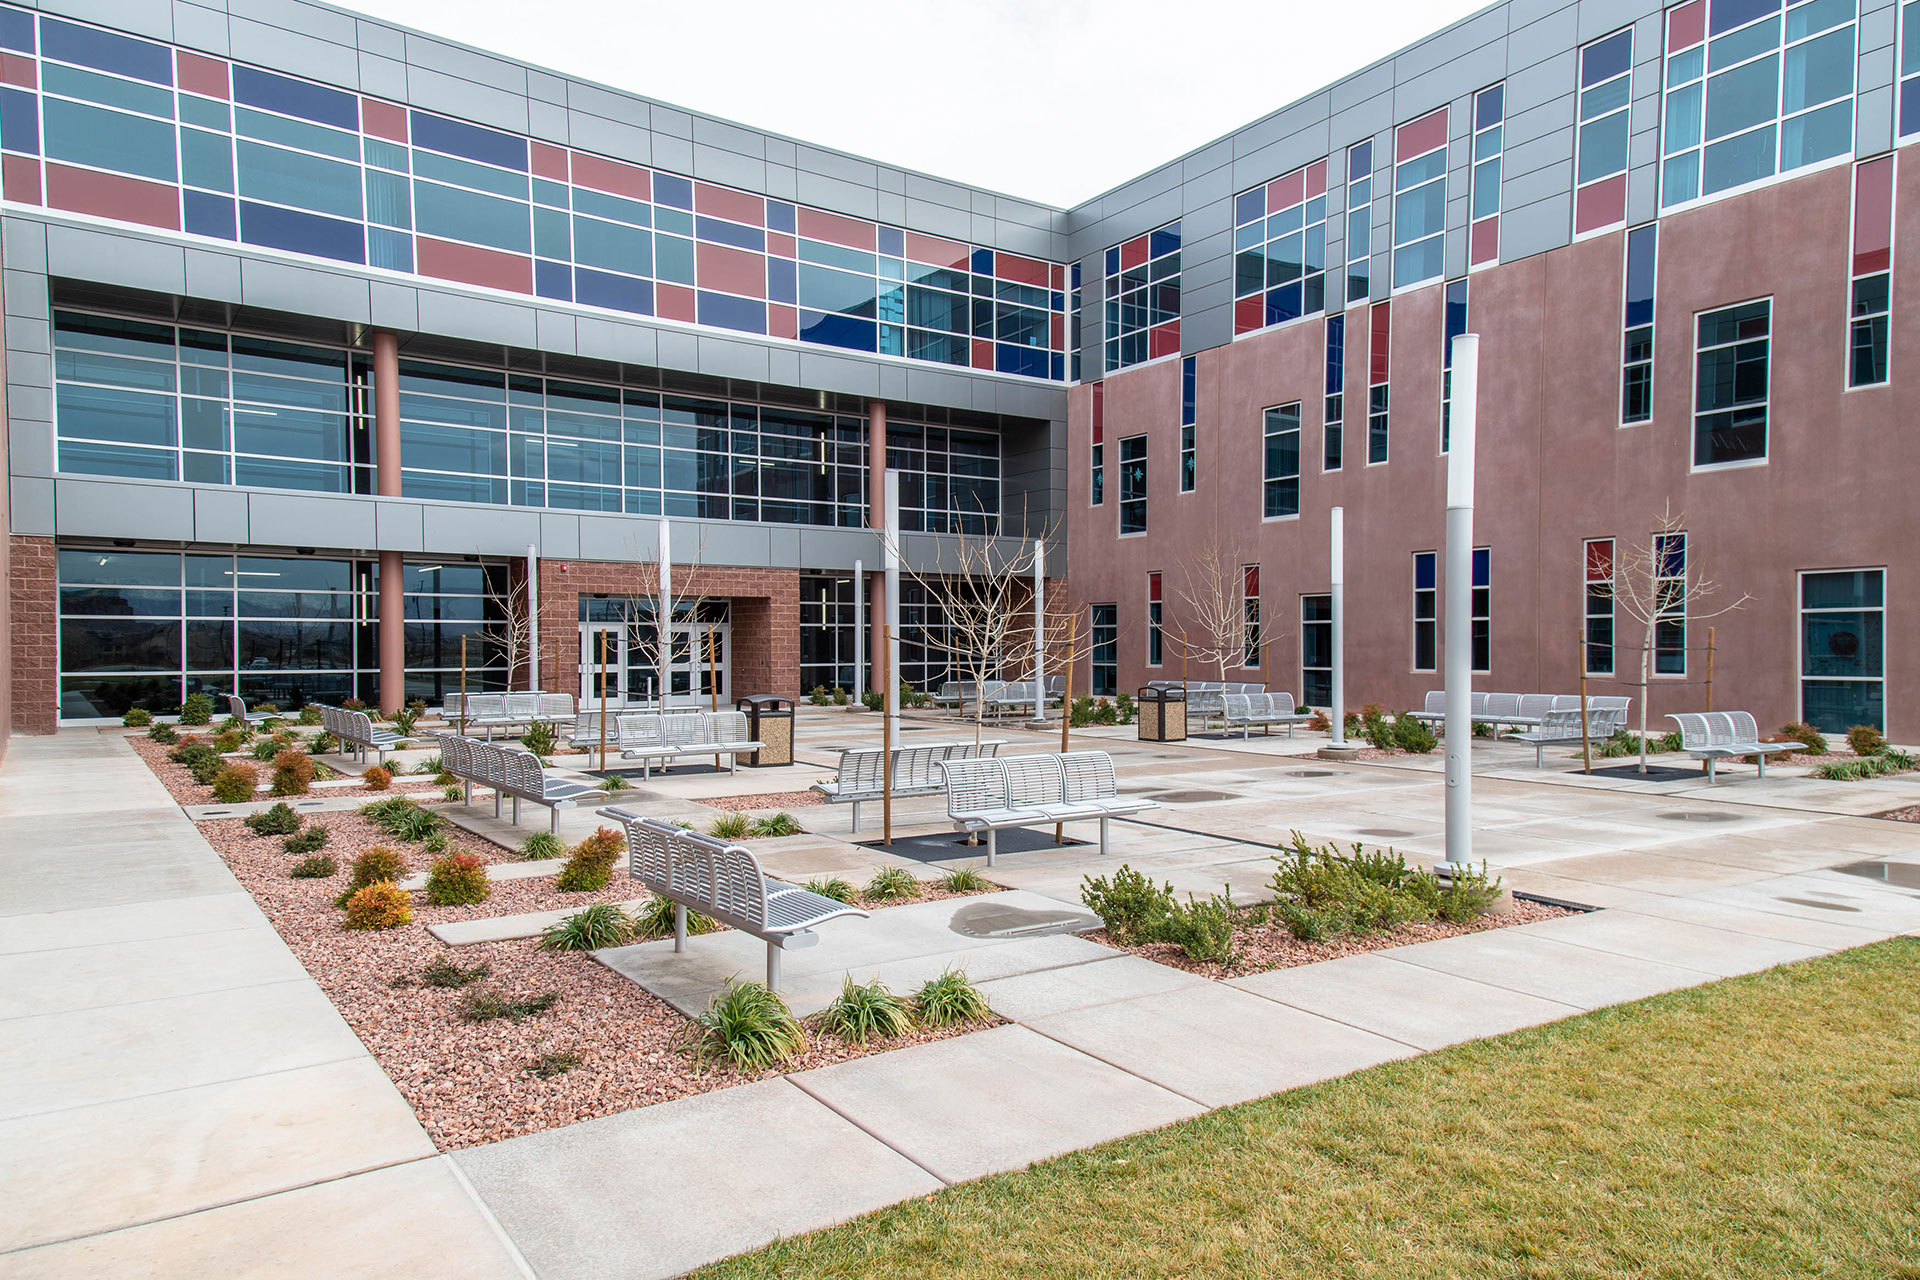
603,649
699,670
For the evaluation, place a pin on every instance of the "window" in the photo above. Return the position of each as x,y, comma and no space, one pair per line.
1380,326
1482,612
1133,485
1097,460
1426,603
1670,604
1600,142
828,624
1870,297
1909,68
1599,606
1636,340
1282,487
1359,220
1188,428
1489,133
1730,384
1752,92
1073,322
1842,649
1332,444
1143,298
1105,646
1156,638
1316,650
1280,249
1456,324
1250,617
1420,199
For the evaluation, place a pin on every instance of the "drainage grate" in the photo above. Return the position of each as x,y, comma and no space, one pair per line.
1700,817
1311,773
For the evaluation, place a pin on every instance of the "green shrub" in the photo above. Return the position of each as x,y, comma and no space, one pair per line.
432,764
381,905
860,1013
452,792
486,1004
317,867
277,821
1306,923
1321,894
310,714
654,919
730,826
840,698
404,721
894,884
1204,930
836,888
780,824
1412,735
542,845
1865,740
401,817
1481,729
612,784
266,749
872,700
1130,906
137,718
748,1026
312,840
964,880
1805,734
198,709
441,971
458,880
819,696
238,727
201,760
1890,760
323,744
162,733
228,742
1374,729
602,924
292,773
235,784
541,738
948,1000
591,865
435,843
1465,895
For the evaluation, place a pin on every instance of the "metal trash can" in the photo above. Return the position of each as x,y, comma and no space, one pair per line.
770,723
1163,715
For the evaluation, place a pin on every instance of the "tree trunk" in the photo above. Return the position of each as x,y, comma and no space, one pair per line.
1646,660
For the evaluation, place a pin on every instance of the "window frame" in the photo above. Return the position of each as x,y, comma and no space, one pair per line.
1156,620
1364,213
1268,434
1431,597
1800,612
1857,277
1695,414
1140,500
1580,127
1096,643
1477,164
1627,329
1189,424
1681,623
1448,332
1379,383
1333,407
1251,634
1315,600
1589,615
1433,239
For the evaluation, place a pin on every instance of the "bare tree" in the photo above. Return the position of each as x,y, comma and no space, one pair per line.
1211,590
512,628
670,586
1657,582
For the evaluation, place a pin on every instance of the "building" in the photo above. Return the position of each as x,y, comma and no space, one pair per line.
340,359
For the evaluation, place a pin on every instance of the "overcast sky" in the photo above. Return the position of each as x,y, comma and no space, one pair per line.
1054,100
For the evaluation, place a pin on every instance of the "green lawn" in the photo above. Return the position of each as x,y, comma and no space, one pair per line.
1763,1126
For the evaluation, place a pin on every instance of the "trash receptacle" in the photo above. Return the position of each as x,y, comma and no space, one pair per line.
770,723
1163,714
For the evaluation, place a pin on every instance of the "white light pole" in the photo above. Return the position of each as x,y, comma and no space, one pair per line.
890,660
860,684
1339,558
663,613
533,618
1459,603
1039,634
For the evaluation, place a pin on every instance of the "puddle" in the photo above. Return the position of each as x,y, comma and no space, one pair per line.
1385,832
1311,773
1700,817
1815,902
998,920
1904,874
1192,797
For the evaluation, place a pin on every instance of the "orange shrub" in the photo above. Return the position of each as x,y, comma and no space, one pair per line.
381,905
378,778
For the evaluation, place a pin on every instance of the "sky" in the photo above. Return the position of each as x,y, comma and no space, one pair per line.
1052,100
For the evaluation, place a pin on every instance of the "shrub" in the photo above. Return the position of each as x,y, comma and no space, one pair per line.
1805,734
435,843
277,821
312,840
457,880
860,1013
590,866
137,718
1130,906
404,720
452,792
1481,729
872,700
1320,723
198,709
201,760
819,696
323,744
1305,923
730,826
654,919
840,698
444,973
964,880
235,783
834,887
236,725
1322,894
378,865
292,773
1375,730
1412,735
541,738
265,749
317,867
749,1026
612,784
1204,930
949,999
376,778
1865,740
228,741
603,924
353,704
381,905
542,845
399,816
1465,895
485,1004
894,884
431,765
310,714
162,733
780,824
1890,760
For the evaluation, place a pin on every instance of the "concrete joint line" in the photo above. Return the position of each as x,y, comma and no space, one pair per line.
794,1080
486,1214
363,1055
1731,931
1673,964
185,995
121,942
1372,1031
1066,1044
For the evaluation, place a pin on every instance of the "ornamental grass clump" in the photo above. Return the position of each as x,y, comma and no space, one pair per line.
402,818
834,887
865,1012
487,1004
590,866
542,845
780,824
317,867
654,919
749,1027
730,826
235,783
444,973
292,773
541,738
949,1000
457,880
591,928
964,880
381,905
277,821
894,884
311,840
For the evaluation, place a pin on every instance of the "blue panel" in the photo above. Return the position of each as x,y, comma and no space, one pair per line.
1283,304
1423,570
893,241
1059,367
616,293
302,232
1249,206
779,215
106,51
782,281
836,330
612,208
1336,354
295,98
209,215
669,190
1490,107
1076,275
727,312
1482,567
1113,261
1165,240
16,30
457,138
1605,59
19,121
390,249
720,232
1359,161
983,261
1057,301
1026,361
553,280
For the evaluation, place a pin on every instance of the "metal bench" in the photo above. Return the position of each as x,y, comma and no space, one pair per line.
862,775
961,694
237,708
355,729
1026,791
1560,727
511,773
721,880
1014,696
1262,710
490,711
1713,736
667,736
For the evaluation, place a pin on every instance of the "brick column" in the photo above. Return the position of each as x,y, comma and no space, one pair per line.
32,599
386,450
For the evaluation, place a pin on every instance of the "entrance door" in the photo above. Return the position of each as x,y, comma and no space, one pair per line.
602,644
698,675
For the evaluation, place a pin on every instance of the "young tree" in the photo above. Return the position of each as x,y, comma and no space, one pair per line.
670,583
1212,594
512,627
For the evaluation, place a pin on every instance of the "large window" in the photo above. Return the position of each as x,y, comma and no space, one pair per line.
1636,325
1189,425
1870,295
1489,145
1843,649
1426,610
1378,390
1359,220
1599,606
949,478
1143,298
1133,485
1104,642
1600,143
1333,429
1280,243
1420,199
1752,91
1281,488
828,625
1316,650
1731,383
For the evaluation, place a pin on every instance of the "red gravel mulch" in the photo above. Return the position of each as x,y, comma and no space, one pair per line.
1909,814
180,784
762,800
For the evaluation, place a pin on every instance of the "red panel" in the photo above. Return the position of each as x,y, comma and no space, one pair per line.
782,246
1316,179
1163,340
547,161
1059,342
834,229
1872,212
1686,26
1099,412
1867,263
730,270
782,322
1249,314
1133,252
1011,266
982,354
1059,276
941,253
612,176
1602,204
725,202
1417,137
1153,588
20,178
201,74
1285,192
1381,327
1483,243
22,71
674,302
1600,560
1251,586
107,195
470,265
383,119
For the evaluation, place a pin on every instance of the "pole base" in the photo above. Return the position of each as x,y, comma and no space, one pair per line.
1347,751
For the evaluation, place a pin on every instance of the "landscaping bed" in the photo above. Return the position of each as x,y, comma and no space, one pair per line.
762,800
178,779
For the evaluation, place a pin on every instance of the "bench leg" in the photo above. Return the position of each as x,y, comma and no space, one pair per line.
856,815
1709,770
496,802
773,967
1539,755
516,811
1762,758
466,791
553,827
1103,834
993,845
679,927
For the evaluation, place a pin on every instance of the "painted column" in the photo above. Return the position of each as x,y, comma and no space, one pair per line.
1459,601
860,681
533,618
877,515
386,454
663,615
1039,632
1339,557
890,660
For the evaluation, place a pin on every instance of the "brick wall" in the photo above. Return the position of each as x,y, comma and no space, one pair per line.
34,642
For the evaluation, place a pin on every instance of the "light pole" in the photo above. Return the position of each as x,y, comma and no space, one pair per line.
890,660
1459,603
1339,558
1039,634
860,681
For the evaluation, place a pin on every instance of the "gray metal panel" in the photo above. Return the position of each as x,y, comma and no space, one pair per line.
1876,122
220,515
1876,68
25,244
725,358
892,181
555,330
451,529
307,19
549,121
305,520
30,435
783,183
1643,194
479,68
30,506
545,88
1602,17
282,286
380,38
783,366
671,121
143,17
112,258
481,319
399,526
834,164
480,103
1462,40
199,28
717,164
26,294
938,219
722,543
119,509
215,276
559,535
838,548
603,339
677,349
1536,184
719,133
293,53
840,197
1877,22
1537,227
609,104
1449,81
24,334
393,306
672,154
382,76
838,373
892,210
1358,87
592,132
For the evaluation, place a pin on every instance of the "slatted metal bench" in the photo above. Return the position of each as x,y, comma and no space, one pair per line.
914,771
237,708
1561,728
1026,791
722,880
1260,710
1714,736
1014,696
671,735
355,729
1520,710
490,711
961,694
511,773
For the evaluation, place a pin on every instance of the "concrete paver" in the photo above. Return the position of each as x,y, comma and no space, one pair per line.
1579,976
1714,950
1027,996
